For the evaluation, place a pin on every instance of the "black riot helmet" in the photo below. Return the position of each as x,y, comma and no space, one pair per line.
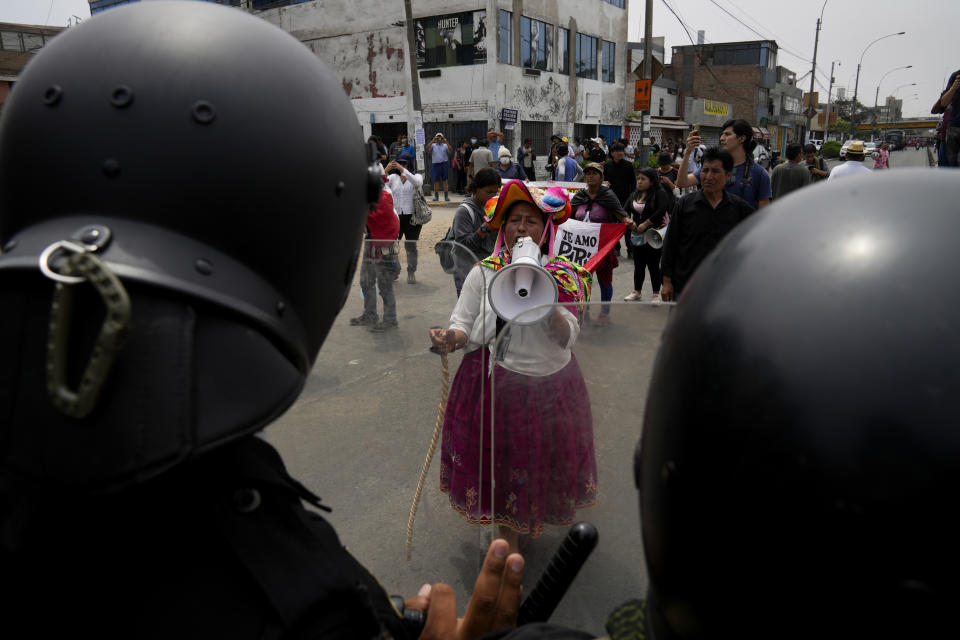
211,165
800,457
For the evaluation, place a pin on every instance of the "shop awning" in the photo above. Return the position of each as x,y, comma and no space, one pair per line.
662,123
665,123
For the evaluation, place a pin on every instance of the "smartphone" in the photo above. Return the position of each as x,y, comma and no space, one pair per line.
694,130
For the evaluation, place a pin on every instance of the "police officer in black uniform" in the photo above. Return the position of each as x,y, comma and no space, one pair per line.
800,457
176,242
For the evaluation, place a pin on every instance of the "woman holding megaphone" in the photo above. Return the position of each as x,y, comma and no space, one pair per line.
528,415
647,208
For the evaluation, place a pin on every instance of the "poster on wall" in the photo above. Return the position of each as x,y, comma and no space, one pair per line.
452,39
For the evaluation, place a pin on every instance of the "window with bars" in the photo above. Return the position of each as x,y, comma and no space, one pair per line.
536,44
586,56
506,40
608,57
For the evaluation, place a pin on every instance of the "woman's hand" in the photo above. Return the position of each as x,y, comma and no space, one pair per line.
494,604
558,327
447,340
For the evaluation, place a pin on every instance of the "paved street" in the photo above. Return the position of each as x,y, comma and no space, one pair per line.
898,159
360,431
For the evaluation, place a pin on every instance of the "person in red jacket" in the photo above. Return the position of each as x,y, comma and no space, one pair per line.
380,265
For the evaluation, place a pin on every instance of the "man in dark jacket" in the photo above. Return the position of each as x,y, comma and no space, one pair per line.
699,221
618,173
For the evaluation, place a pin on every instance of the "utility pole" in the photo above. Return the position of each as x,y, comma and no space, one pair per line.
826,127
415,122
647,75
813,72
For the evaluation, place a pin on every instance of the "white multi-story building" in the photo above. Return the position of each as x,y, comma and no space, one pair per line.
528,68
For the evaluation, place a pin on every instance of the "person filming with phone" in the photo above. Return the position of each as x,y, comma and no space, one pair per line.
440,154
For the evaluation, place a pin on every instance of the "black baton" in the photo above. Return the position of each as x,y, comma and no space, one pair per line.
559,574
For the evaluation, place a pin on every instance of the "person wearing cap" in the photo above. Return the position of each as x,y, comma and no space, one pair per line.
595,151
526,158
506,167
403,185
440,154
598,203
853,164
541,422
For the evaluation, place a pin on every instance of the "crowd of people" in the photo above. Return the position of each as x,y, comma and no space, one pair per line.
666,198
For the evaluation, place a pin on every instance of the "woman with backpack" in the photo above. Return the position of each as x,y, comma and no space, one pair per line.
469,228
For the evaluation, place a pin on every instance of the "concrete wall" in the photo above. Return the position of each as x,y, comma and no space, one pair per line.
364,43
355,38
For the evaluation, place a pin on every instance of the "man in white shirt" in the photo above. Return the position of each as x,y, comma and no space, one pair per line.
403,185
854,163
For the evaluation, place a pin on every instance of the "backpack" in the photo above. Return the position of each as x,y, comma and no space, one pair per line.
444,251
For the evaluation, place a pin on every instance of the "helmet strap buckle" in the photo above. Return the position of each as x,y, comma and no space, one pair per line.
82,266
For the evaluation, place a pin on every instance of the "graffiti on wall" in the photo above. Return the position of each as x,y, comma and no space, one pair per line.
369,65
546,101
613,111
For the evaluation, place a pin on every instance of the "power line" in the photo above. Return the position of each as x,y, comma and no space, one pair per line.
696,48
780,46
757,22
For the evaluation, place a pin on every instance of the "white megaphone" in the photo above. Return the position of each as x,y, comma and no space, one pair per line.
654,237
522,285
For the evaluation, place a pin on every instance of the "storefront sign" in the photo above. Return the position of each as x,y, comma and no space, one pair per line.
714,108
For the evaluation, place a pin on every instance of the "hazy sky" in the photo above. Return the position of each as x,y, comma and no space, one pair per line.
931,28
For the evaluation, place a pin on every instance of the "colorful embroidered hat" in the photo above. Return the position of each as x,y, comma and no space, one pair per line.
556,202
514,191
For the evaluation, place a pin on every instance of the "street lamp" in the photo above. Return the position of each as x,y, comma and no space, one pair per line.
895,92
856,84
877,96
909,84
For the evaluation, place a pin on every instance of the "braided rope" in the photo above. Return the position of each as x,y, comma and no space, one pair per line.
441,408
